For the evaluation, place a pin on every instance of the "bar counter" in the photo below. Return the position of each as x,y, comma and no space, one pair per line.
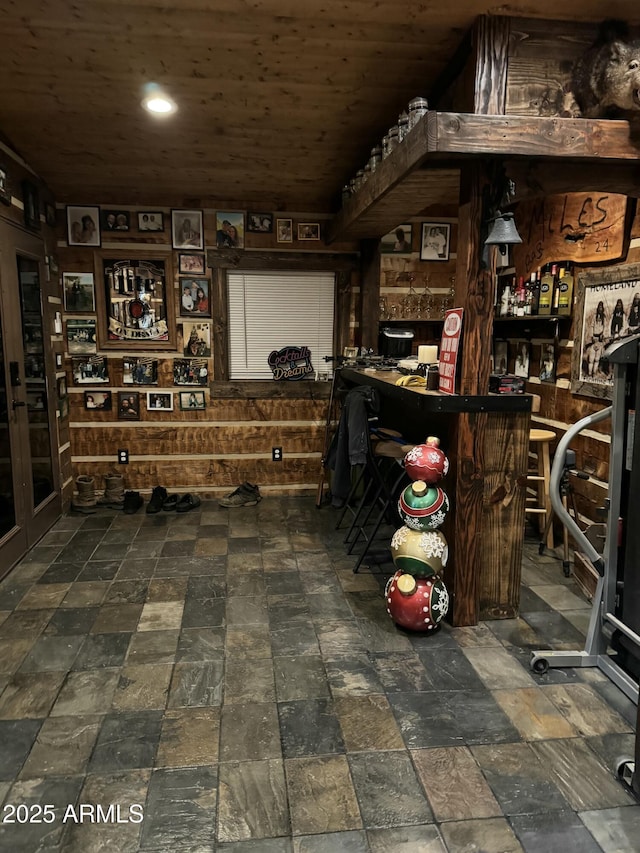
486,438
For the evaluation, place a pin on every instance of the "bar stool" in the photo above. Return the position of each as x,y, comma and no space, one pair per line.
539,440
381,478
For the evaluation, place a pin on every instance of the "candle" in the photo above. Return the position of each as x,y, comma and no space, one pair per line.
427,354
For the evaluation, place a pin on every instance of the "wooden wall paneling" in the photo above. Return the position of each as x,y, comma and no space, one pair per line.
196,438
215,476
491,42
541,56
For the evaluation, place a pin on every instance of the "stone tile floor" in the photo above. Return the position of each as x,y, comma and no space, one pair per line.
222,681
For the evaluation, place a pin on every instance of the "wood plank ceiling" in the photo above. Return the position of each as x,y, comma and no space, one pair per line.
280,101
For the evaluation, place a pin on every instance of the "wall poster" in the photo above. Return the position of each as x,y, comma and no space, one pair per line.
608,309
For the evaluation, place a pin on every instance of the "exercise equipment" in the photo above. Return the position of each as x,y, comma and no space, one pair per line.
568,502
613,637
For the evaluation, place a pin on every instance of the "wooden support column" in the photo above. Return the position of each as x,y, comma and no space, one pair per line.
369,314
474,293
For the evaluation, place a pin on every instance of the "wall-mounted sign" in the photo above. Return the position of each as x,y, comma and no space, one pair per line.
290,362
449,346
137,306
580,227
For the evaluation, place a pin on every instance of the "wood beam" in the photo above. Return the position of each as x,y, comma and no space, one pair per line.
491,43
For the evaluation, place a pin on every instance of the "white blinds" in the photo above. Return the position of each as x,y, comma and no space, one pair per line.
272,310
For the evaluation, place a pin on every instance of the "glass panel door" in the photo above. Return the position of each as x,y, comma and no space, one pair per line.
30,499
7,493
41,468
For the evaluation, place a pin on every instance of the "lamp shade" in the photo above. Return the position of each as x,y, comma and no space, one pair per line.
503,231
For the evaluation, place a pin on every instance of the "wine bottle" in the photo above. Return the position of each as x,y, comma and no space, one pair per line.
546,289
565,297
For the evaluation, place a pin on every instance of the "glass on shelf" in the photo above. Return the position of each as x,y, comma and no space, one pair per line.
383,308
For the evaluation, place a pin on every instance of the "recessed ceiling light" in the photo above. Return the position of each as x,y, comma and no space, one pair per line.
158,102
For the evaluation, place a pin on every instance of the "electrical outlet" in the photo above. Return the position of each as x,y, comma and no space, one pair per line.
123,457
276,454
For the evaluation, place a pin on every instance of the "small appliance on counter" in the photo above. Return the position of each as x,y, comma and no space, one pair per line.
395,343
506,384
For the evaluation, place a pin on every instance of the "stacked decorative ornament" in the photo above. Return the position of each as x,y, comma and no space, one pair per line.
417,598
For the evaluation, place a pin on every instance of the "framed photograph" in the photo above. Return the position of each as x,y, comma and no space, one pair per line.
397,242
151,220
308,230
63,407
434,245
229,230
139,371
501,357
50,214
260,223
36,401
114,220
186,229
81,336
59,360
79,292
523,357
5,191
194,297
136,307
159,401
197,339
100,400
62,387
190,371
31,205
83,225
548,362
607,309
89,370
128,405
284,230
192,264
190,400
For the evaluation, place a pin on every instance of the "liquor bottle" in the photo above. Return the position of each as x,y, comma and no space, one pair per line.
565,297
521,298
505,301
556,288
546,289
534,289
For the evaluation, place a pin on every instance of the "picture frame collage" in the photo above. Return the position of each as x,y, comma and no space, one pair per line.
88,226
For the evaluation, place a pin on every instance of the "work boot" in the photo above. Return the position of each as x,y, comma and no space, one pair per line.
114,491
85,500
244,495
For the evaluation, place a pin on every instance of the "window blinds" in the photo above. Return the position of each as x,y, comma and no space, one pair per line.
272,310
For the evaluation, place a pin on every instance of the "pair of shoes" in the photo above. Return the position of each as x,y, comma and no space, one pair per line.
132,502
158,497
187,502
170,503
244,495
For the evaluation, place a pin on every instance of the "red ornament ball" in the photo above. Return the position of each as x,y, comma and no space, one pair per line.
418,604
426,461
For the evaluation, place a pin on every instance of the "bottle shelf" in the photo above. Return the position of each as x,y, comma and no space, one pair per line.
532,318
